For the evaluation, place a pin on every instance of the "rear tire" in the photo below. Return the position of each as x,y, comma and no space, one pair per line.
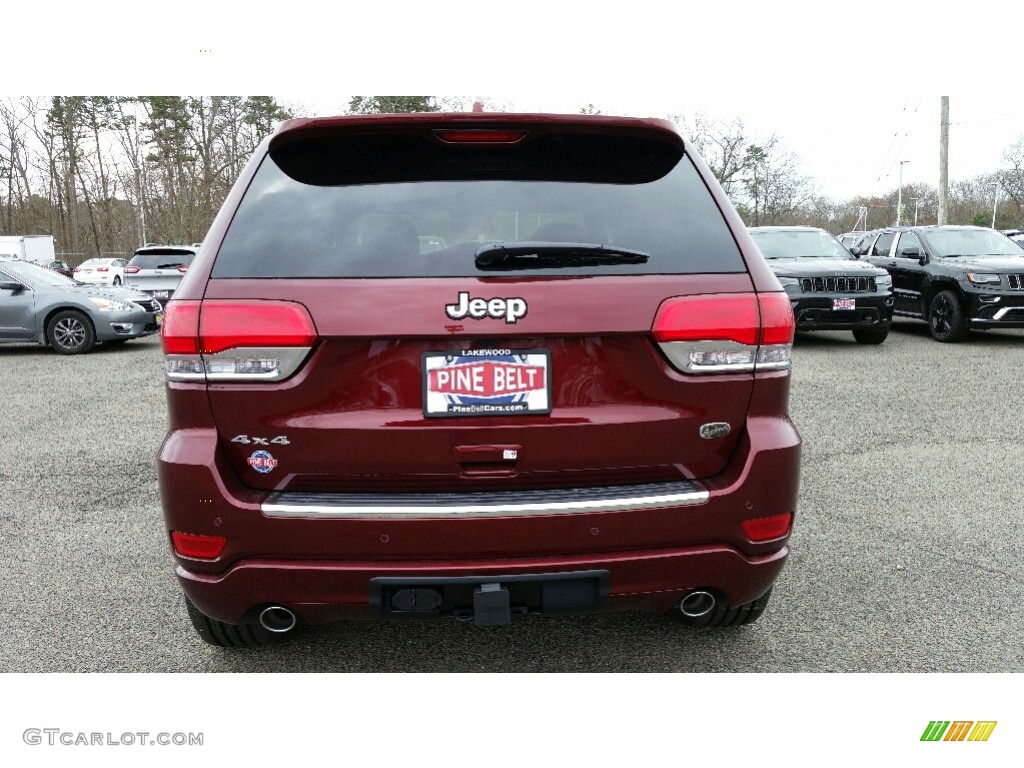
946,318
117,281
225,635
724,615
870,336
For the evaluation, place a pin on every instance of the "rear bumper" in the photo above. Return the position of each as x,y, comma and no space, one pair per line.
320,560
161,295
321,591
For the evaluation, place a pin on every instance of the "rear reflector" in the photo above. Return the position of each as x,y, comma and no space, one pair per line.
478,135
767,528
726,332
197,546
235,340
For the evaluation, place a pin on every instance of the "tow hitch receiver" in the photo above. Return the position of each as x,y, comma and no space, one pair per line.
490,600
492,606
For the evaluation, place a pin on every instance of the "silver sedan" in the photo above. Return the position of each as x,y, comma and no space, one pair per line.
38,305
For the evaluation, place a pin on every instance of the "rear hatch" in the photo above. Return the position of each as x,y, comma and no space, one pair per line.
158,270
475,310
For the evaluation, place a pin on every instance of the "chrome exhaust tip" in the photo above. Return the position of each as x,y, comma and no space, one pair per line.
277,618
696,604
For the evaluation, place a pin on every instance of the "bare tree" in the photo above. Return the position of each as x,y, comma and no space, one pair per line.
14,116
1011,179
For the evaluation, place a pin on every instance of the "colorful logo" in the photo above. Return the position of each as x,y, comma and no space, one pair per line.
958,730
504,377
262,462
486,382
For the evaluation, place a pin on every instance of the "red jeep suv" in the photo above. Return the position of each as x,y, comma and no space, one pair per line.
479,367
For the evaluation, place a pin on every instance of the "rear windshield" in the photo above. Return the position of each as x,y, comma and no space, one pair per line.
402,206
165,259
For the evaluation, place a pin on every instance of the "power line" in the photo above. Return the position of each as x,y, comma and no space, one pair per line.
885,163
903,141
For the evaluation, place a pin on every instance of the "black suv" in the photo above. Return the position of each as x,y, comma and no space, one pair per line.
1017,235
828,289
954,277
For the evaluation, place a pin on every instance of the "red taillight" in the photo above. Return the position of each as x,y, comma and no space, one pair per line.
767,528
180,331
221,340
131,270
198,546
102,269
777,323
726,332
224,325
182,268
228,324
478,135
714,317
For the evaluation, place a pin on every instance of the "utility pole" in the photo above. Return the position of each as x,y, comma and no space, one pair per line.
943,160
995,202
899,196
862,216
917,203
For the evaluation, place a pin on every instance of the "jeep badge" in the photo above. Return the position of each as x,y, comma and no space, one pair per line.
478,309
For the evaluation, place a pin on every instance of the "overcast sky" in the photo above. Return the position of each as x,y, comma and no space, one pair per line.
852,91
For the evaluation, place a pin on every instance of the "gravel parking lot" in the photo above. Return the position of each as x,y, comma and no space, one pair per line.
906,551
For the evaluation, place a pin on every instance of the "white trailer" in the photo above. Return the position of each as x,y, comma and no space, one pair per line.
34,248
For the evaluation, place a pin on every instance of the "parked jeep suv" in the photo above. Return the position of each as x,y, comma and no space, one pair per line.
828,288
954,277
157,269
476,367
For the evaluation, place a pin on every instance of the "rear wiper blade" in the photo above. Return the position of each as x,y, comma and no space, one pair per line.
168,266
538,255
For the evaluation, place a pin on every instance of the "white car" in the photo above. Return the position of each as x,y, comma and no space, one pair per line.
100,271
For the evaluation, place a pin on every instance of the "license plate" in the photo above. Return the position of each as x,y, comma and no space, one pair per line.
160,319
487,382
159,294
844,303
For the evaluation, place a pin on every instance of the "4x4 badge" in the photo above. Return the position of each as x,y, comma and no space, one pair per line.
497,308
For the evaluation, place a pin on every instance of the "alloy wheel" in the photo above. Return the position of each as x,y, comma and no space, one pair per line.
69,333
942,314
